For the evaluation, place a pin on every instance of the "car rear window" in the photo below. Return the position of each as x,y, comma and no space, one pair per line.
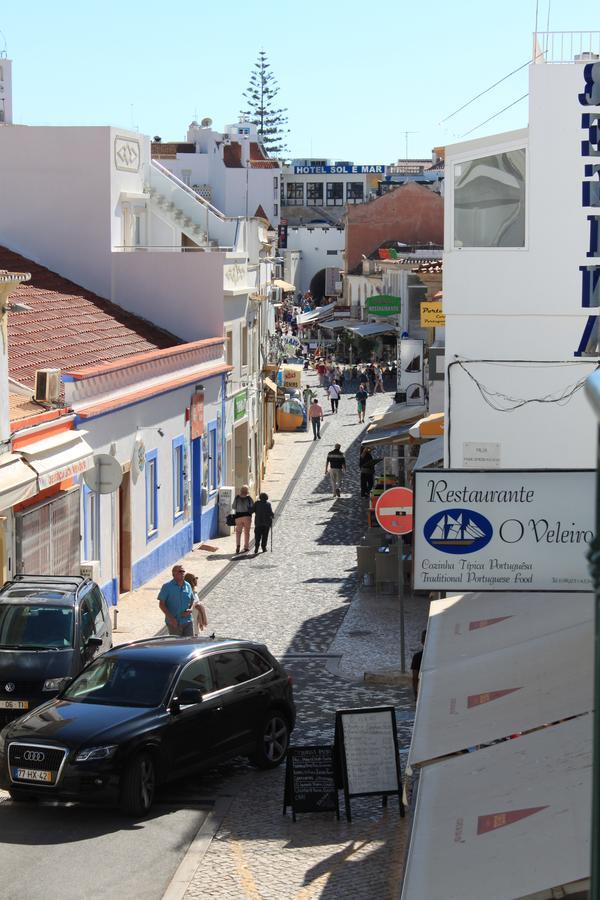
230,668
32,626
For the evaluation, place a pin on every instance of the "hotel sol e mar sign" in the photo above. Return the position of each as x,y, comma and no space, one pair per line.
503,531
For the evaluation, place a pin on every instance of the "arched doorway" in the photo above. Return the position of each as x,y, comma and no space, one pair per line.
317,285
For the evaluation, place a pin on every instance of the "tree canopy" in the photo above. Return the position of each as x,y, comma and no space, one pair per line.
260,97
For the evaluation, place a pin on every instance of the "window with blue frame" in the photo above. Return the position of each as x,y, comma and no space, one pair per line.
91,524
178,478
213,476
151,494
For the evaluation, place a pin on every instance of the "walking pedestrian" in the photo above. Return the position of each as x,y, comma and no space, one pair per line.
315,414
367,465
243,507
199,618
415,666
334,391
175,600
361,396
336,466
263,519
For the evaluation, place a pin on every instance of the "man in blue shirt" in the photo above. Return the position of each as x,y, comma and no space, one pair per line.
175,599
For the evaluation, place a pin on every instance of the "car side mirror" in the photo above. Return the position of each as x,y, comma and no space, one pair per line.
93,642
189,696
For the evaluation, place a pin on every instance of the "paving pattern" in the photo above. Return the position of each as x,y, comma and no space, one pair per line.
295,599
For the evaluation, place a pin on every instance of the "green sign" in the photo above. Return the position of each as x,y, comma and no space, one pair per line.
383,305
240,404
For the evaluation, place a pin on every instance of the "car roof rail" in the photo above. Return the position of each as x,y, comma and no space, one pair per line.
70,583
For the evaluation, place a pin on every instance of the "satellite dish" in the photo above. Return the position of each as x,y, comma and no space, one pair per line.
207,122
105,476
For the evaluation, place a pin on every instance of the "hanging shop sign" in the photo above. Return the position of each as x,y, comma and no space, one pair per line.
503,531
383,305
432,315
240,405
410,365
197,415
291,376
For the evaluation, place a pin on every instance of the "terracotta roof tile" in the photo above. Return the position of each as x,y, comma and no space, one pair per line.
68,326
232,155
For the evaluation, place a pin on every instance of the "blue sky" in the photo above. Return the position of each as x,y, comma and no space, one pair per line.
355,76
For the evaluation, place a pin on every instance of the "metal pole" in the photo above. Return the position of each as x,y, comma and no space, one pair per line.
401,599
594,558
592,389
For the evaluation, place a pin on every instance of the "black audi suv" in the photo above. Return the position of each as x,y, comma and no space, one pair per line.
148,712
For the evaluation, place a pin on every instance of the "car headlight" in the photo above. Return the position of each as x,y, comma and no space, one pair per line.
55,684
94,753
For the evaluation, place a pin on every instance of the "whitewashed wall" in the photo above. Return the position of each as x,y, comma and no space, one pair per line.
525,304
314,242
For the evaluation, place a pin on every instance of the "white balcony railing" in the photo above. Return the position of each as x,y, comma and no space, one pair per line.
566,46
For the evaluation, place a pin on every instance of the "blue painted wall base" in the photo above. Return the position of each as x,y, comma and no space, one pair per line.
162,556
111,592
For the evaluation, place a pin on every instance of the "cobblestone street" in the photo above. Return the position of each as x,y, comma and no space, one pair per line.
295,600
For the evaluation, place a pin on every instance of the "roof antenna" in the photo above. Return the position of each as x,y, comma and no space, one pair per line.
3,50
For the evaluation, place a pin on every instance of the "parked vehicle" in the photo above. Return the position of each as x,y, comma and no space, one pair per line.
148,712
50,629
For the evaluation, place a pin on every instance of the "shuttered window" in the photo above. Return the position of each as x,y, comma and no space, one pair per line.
48,537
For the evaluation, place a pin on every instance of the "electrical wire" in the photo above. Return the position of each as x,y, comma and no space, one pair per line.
487,90
494,398
495,116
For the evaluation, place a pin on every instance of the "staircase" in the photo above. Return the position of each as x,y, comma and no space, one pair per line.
198,219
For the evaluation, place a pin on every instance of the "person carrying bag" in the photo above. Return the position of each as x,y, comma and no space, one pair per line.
243,507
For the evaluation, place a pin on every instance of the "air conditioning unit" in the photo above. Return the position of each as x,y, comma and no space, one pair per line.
47,385
90,568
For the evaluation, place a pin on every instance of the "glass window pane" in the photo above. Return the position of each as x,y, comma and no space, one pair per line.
230,668
489,201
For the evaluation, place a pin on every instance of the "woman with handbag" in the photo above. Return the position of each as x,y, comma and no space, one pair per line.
243,507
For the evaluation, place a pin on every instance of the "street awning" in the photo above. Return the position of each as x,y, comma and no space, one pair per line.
398,435
338,324
509,821
394,415
284,285
59,457
429,427
370,329
270,384
517,688
465,626
315,315
17,481
431,452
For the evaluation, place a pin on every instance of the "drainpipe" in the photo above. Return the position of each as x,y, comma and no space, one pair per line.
8,283
592,389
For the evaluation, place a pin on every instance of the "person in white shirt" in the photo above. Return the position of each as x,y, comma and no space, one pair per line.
334,391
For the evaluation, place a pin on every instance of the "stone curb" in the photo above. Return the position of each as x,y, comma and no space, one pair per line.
389,677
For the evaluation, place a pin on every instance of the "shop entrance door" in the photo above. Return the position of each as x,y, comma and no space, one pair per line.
125,583
241,455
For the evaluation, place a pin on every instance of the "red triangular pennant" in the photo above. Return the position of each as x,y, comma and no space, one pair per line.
488,696
483,623
498,820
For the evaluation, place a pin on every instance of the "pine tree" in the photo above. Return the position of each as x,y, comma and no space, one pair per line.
260,96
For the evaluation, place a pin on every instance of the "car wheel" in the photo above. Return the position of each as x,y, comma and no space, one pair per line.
21,796
138,783
272,741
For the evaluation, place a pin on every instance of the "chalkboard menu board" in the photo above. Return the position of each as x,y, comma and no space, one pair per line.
310,783
367,749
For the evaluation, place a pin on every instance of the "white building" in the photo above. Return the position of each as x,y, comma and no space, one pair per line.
319,247
230,169
320,189
6,112
521,283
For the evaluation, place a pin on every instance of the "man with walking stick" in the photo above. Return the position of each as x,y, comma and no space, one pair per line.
263,520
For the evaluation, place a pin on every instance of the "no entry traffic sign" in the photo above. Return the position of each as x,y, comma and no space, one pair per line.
394,510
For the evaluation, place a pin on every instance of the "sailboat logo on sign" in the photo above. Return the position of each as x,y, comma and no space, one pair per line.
458,531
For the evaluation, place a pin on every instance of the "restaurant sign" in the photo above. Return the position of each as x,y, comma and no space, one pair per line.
503,530
432,315
383,305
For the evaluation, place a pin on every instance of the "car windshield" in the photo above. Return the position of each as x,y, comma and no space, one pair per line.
35,626
111,681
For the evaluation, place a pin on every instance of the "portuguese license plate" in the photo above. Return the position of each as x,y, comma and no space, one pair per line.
32,775
14,704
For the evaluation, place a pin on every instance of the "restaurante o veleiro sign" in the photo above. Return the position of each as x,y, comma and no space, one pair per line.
503,530
383,305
